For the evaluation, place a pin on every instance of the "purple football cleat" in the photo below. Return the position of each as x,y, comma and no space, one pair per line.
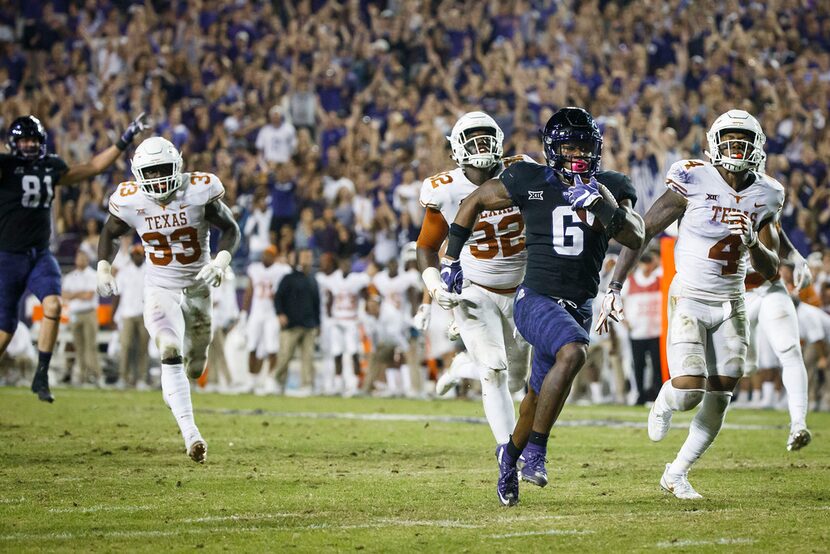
533,470
508,485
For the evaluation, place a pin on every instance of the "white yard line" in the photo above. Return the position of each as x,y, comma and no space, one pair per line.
461,419
102,508
538,533
712,542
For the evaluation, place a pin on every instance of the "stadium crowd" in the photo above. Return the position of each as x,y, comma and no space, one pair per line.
322,118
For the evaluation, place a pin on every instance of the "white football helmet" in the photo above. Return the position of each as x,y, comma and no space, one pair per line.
739,155
153,153
477,150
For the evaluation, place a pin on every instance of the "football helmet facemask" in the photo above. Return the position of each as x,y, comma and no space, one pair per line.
476,140
27,127
736,155
577,128
157,167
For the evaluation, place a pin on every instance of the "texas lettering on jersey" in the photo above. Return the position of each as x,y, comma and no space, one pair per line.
711,262
175,235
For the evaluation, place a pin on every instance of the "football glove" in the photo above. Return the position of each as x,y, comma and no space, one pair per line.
214,272
802,276
420,320
740,225
435,286
135,127
584,195
452,275
106,282
453,331
612,308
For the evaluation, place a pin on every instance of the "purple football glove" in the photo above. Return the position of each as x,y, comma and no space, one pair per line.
451,275
584,195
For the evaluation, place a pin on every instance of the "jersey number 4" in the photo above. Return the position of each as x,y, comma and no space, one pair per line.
163,252
31,191
728,250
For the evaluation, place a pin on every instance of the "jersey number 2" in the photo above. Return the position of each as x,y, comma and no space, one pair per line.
31,191
163,252
568,237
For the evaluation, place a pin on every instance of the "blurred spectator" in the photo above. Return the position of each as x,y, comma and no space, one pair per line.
128,314
277,140
643,314
80,294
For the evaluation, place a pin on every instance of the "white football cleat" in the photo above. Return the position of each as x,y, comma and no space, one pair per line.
445,383
678,485
198,451
659,420
799,439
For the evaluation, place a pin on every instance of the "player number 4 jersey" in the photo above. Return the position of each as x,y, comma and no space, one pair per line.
711,263
494,255
175,236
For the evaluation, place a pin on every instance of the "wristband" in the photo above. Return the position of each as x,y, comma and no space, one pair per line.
616,285
432,279
121,145
458,236
222,259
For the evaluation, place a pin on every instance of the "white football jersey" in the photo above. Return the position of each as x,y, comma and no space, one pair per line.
345,292
175,236
264,282
711,263
394,289
494,255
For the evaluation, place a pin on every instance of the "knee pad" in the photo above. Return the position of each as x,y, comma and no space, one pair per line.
169,346
682,400
493,378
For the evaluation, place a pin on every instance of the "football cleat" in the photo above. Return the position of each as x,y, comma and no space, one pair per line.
678,485
659,420
508,484
198,451
799,439
445,383
533,470
40,386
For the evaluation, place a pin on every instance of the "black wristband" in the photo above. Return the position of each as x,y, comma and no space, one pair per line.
457,237
121,145
616,285
617,222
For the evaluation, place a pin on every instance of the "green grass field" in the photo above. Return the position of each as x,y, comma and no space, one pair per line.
106,471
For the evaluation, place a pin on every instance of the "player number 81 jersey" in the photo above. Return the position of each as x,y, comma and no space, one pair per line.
711,262
175,236
494,255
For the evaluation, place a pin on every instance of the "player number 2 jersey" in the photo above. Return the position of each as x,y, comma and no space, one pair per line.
711,263
494,255
175,236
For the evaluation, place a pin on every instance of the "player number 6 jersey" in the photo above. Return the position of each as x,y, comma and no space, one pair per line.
175,236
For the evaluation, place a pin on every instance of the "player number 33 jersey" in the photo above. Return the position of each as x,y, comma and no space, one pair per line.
175,236
711,262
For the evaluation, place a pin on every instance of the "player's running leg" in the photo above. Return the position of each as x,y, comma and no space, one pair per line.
45,283
165,322
779,322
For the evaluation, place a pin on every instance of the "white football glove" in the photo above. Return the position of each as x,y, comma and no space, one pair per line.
741,225
802,276
214,272
106,282
453,332
612,308
435,286
421,318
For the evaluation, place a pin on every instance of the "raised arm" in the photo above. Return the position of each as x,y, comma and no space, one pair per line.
104,159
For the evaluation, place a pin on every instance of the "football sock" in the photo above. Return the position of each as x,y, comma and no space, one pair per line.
767,394
512,450
794,376
43,360
176,390
498,404
702,432
539,439
596,392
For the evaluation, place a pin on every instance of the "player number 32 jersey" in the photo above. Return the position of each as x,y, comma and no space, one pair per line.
175,236
711,262
494,255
